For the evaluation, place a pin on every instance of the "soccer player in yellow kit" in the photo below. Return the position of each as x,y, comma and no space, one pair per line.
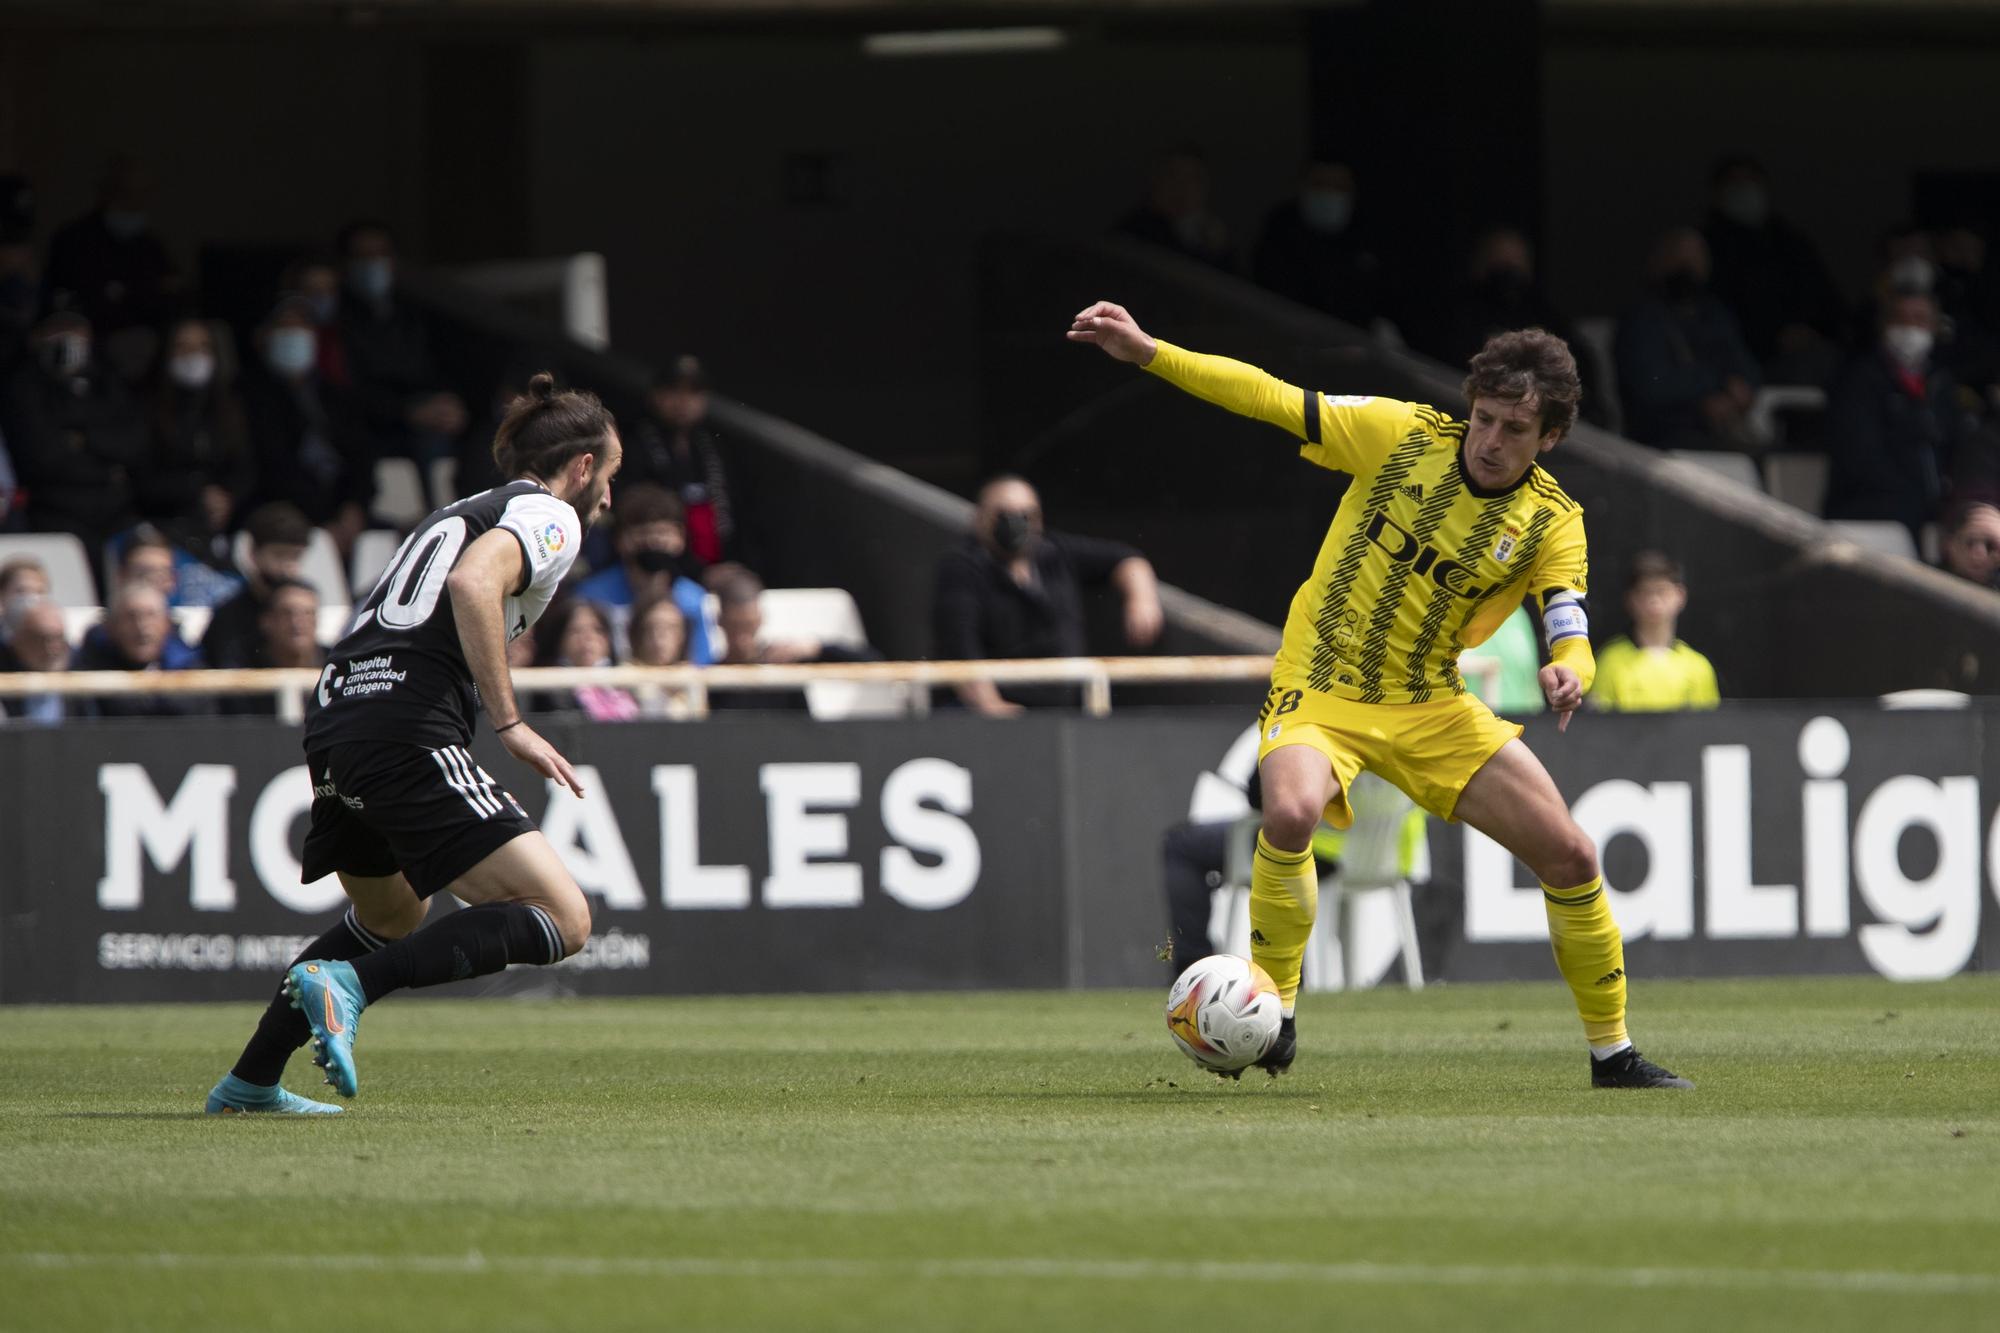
1446,528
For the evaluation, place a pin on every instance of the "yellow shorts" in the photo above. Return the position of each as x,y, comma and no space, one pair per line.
1430,750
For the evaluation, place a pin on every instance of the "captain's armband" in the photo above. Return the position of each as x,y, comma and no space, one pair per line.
1564,616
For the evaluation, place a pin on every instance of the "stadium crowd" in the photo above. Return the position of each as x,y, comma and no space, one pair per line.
1902,377
229,481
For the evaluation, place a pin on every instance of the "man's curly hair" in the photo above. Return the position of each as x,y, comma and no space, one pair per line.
1531,366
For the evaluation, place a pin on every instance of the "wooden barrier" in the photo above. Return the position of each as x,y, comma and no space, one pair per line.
290,686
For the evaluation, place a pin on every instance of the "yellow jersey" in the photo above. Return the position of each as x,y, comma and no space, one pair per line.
1420,561
1631,679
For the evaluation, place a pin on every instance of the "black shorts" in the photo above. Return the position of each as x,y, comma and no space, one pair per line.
379,807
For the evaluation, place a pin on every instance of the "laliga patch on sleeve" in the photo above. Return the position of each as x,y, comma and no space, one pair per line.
1348,399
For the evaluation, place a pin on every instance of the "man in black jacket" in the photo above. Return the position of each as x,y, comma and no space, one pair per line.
75,435
1013,590
1893,423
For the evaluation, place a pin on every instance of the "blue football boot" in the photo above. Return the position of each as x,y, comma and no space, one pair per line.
329,995
232,1096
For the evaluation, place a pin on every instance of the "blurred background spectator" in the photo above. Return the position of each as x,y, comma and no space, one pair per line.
1894,422
1652,671
1685,376
311,451
278,535
288,636
200,467
576,632
1011,589
406,404
1969,542
20,272
22,578
650,539
1311,251
112,263
138,635
35,641
674,446
1502,294
75,433
1176,212
1771,277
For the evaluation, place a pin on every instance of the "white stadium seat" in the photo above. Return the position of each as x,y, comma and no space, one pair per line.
373,550
444,482
399,493
1880,535
64,556
1729,466
830,615
1798,479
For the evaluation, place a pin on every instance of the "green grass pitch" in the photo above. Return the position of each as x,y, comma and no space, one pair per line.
1026,1161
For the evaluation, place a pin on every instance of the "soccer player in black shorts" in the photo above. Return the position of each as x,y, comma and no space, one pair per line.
400,809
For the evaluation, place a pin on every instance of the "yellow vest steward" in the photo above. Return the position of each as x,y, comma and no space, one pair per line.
1419,562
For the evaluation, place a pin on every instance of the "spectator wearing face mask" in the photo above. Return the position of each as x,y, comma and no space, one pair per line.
1501,295
1011,589
650,537
111,259
1685,375
405,403
1771,277
75,434
1176,213
311,451
1969,542
1894,422
200,468
315,282
1312,251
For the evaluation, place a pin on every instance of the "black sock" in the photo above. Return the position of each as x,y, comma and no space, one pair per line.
283,1029
469,943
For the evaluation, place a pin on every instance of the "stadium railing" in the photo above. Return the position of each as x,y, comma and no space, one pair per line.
1095,675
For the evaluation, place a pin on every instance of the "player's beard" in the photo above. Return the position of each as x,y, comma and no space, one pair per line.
592,501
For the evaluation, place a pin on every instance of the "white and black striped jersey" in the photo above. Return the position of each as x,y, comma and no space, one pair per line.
399,673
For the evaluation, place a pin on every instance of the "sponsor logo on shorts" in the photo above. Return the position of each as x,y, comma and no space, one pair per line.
1272,734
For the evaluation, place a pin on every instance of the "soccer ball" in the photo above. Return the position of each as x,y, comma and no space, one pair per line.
1224,1012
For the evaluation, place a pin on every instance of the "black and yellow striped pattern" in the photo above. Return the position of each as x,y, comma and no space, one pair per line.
1417,564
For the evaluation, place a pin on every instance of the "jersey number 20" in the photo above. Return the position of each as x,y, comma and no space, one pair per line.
410,587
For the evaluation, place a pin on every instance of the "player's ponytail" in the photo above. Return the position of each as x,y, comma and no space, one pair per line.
546,427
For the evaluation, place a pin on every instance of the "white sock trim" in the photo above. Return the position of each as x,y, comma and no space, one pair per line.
1606,1052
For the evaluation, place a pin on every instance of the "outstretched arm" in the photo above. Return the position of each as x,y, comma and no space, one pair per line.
1243,389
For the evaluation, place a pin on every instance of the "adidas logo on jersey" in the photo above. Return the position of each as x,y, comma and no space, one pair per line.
1415,490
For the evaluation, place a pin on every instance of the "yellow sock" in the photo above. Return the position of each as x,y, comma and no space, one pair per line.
1284,897
1591,956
